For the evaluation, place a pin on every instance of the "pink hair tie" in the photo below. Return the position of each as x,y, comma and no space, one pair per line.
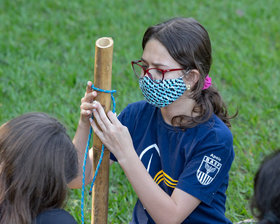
207,82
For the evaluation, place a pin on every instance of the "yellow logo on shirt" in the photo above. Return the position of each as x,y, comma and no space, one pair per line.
162,176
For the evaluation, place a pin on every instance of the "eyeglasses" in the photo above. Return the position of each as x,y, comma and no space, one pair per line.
155,74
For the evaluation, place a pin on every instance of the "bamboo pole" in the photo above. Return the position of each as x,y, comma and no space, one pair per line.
102,80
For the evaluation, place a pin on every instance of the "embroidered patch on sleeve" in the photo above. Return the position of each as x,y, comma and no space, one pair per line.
208,170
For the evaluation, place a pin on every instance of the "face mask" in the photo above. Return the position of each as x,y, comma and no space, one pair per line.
163,93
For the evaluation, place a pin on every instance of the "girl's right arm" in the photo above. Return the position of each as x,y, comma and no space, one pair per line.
162,207
81,137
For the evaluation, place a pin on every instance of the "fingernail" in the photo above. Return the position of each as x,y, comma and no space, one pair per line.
93,110
90,120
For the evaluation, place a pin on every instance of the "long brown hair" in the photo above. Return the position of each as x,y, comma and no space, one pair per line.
37,160
189,44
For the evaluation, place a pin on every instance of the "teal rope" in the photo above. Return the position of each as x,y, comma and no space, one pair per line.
86,153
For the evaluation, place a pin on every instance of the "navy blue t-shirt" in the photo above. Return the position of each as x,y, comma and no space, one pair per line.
54,216
196,160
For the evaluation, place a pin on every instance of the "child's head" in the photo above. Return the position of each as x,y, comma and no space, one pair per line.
266,200
37,160
188,43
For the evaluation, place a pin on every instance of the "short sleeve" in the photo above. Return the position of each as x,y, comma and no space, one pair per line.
206,172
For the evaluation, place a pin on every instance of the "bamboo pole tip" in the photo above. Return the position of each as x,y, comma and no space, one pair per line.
104,42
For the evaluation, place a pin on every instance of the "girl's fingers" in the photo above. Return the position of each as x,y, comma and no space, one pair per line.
86,113
89,89
87,106
99,120
101,114
89,97
96,130
113,118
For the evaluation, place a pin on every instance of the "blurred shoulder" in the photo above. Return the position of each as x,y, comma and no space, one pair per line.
54,216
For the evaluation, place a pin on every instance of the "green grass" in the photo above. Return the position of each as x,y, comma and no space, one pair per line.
47,56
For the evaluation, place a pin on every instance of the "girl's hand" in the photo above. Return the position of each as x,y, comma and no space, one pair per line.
86,103
111,132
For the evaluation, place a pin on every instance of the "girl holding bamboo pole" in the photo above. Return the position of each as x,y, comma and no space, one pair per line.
175,148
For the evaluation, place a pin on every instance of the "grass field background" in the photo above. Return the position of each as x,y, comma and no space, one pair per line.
47,56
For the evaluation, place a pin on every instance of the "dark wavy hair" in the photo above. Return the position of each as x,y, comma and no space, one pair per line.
37,160
189,44
265,204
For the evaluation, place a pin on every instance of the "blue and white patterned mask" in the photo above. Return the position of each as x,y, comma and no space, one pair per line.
163,93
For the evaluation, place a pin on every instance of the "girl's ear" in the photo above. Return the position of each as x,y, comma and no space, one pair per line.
192,77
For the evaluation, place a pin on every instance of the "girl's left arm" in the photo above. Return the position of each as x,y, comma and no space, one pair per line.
162,207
